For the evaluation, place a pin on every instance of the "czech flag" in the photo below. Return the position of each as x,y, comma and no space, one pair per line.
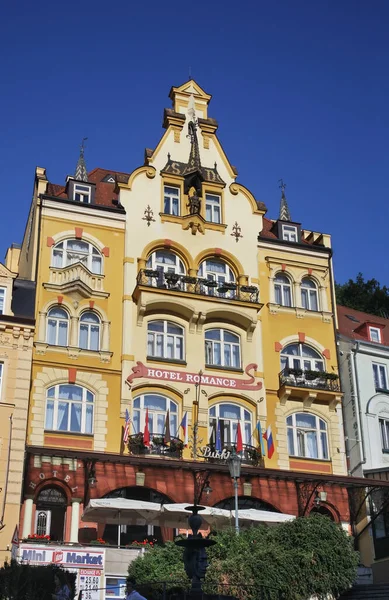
239,441
269,439
218,445
184,425
146,433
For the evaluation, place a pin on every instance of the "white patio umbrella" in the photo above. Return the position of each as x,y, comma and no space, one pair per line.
252,516
175,515
121,511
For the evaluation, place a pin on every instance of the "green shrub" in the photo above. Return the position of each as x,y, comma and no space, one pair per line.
28,582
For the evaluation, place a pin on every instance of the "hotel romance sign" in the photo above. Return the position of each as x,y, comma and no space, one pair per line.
140,370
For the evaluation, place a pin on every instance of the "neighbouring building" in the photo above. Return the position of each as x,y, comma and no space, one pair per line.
176,324
364,363
16,337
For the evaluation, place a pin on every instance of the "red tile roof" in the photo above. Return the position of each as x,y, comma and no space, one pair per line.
267,225
354,324
104,190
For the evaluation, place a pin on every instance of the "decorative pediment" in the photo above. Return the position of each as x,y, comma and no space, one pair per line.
4,272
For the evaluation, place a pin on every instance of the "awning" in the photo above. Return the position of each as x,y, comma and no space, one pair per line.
120,511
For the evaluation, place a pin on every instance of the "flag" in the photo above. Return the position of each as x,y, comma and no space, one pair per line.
239,442
218,446
259,437
166,436
146,433
269,439
126,431
184,425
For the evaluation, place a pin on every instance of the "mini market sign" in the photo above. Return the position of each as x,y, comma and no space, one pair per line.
140,371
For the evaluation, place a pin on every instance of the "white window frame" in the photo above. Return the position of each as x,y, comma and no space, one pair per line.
299,361
375,331
84,403
47,513
213,201
289,233
58,320
226,276
380,375
83,192
210,347
230,425
384,431
89,326
3,296
283,286
299,430
309,295
139,415
170,194
165,335
60,251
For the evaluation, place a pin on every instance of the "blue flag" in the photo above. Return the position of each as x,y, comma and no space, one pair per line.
218,437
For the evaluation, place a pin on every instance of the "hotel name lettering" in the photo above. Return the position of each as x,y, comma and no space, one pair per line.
42,476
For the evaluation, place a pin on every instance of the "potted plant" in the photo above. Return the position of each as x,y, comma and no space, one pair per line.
151,273
248,289
172,277
230,285
189,279
158,440
37,538
98,542
295,372
211,283
311,375
176,445
332,376
136,444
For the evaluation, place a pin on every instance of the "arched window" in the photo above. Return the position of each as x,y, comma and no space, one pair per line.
219,280
70,252
301,357
57,327
222,348
165,340
282,290
89,331
157,406
168,268
307,436
69,408
228,416
309,297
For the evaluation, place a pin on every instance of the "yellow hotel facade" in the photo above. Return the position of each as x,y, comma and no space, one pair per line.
167,293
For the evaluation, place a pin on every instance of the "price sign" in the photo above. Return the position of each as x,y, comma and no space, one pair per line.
90,584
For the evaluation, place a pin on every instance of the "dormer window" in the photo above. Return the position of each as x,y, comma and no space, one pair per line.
375,334
289,233
82,193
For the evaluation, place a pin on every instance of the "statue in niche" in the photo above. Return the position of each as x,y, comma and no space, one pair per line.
194,203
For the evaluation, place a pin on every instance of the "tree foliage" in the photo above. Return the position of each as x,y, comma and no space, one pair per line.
367,296
295,560
29,582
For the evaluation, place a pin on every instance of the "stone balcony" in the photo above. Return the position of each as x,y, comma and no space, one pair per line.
76,278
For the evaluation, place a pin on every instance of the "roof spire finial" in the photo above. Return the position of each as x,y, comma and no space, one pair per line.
81,173
284,209
194,163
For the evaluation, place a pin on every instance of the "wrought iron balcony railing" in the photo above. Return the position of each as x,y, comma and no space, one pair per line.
318,380
197,285
250,455
172,449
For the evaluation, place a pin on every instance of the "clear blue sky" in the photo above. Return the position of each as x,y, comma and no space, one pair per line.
300,89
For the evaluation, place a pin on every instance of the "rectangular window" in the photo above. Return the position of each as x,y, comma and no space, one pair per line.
115,588
375,334
2,300
82,193
380,376
213,208
171,200
289,233
384,428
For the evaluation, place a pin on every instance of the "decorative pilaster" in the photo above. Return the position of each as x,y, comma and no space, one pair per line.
105,337
75,520
28,505
42,326
73,337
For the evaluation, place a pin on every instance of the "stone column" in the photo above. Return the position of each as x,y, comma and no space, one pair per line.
73,333
105,336
28,504
75,520
42,326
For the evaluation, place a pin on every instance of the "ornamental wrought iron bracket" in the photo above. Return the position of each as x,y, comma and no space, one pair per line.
200,483
236,231
149,215
305,492
358,497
